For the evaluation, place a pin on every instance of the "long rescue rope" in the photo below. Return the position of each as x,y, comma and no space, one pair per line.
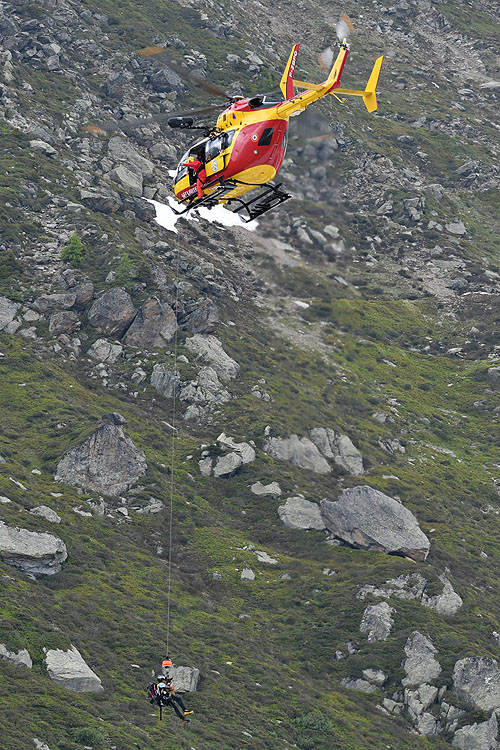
172,452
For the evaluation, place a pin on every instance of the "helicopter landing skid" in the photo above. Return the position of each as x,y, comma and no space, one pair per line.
269,197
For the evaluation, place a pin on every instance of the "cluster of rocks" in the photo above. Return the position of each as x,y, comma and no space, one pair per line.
235,456
364,518
315,452
476,683
413,587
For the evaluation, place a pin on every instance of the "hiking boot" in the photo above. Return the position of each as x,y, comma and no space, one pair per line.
187,712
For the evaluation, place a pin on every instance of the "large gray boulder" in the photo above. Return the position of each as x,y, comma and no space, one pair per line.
209,349
368,519
69,669
8,311
63,322
153,326
20,659
477,681
166,380
103,201
299,513
338,447
481,736
113,312
228,465
185,679
30,551
377,621
128,178
60,301
420,664
266,490
107,462
45,512
298,451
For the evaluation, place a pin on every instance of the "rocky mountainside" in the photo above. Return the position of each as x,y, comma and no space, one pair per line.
324,385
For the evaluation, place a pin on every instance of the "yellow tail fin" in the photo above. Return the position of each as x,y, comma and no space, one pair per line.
370,93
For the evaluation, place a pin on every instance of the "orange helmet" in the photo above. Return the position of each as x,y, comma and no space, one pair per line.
166,662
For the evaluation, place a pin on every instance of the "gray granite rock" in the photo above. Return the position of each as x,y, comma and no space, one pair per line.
120,150
247,574
166,380
377,621
206,389
368,519
338,447
8,311
128,178
21,659
45,512
375,676
420,664
448,602
184,679
105,201
477,681
69,669
50,302
356,683
113,312
30,551
299,513
202,320
154,326
209,349
107,462
266,490
63,322
298,451
105,351
419,699
228,465
483,736
245,450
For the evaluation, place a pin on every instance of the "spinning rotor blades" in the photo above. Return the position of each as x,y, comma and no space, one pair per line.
343,29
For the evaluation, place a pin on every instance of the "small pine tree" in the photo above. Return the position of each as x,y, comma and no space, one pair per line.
124,270
73,253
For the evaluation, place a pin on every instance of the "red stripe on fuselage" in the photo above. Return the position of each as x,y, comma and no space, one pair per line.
247,153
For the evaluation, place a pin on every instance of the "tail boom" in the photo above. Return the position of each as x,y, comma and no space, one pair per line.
370,93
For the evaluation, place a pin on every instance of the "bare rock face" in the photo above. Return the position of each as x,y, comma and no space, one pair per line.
153,326
368,519
20,659
166,380
206,389
481,736
107,462
63,322
185,679
448,602
377,621
299,513
69,669
338,447
210,349
298,451
202,320
113,312
420,664
30,551
8,311
45,512
477,681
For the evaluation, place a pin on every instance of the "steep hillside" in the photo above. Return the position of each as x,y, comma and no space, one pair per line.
308,409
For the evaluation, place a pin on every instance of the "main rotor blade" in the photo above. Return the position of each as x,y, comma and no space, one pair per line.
130,124
188,75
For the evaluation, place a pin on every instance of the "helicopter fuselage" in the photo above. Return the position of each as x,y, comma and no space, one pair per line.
248,144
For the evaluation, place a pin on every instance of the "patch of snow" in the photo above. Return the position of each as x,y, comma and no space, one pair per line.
167,218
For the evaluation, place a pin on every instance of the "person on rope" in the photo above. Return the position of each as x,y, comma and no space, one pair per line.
162,693
196,164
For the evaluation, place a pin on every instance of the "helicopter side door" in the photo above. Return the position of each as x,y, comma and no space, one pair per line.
217,153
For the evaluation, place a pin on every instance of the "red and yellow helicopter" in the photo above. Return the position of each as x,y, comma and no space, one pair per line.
245,150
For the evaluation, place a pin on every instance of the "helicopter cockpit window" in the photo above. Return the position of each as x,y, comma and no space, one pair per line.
266,137
215,146
181,170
